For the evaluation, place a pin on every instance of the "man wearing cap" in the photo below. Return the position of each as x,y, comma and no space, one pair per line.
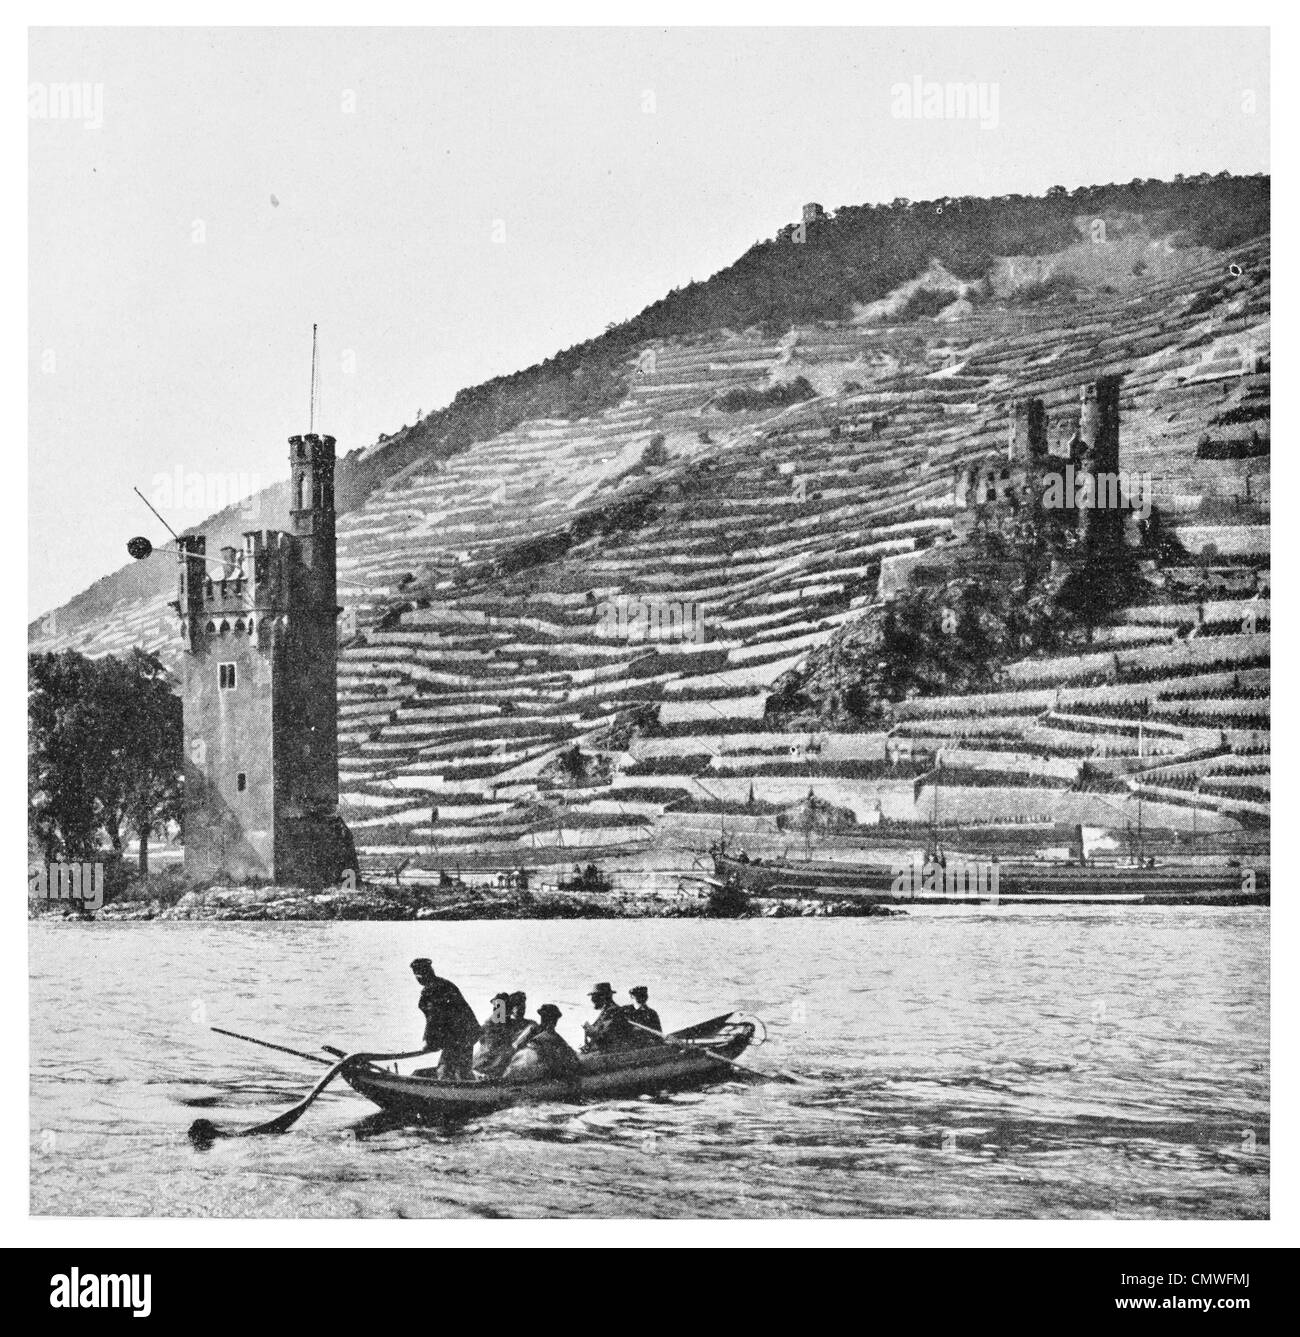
449,1022
541,1051
495,1041
641,1013
610,1030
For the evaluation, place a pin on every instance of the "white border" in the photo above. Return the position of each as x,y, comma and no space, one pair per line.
18,1229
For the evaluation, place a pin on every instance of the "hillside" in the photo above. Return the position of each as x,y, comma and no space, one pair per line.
481,559
855,265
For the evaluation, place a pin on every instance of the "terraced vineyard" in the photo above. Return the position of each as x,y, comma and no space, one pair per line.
481,646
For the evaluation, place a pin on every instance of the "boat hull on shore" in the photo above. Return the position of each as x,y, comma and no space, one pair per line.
1015,882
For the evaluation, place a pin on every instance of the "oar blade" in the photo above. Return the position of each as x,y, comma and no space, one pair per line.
282,1122
702,1028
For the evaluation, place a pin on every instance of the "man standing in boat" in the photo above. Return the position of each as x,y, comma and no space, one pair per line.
610,1030
542,1052
641,1012
449,1022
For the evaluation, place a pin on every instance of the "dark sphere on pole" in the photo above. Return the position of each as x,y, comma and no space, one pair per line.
139,548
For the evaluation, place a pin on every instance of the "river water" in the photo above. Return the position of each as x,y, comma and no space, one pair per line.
1065,1062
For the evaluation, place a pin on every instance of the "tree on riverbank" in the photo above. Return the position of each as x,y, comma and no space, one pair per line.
104,753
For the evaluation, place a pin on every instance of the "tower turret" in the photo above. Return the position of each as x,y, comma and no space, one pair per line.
311,482
190,580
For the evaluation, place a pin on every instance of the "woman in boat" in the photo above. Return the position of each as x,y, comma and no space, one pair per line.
642,1014
541,1052
496,1039
517,1015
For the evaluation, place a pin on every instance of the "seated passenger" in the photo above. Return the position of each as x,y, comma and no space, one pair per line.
541,1052
496,1039
610,1030
643,1014
517,1015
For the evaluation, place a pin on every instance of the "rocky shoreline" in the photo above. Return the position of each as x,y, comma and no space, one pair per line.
373,902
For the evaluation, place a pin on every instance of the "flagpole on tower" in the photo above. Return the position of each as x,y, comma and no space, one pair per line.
311,413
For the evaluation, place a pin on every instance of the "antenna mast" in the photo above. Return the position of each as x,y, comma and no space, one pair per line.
311,414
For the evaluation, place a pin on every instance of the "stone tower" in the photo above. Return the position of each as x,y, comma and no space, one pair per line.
1028,436
260,694
1102,525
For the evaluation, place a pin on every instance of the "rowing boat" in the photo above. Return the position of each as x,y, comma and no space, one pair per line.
696,1056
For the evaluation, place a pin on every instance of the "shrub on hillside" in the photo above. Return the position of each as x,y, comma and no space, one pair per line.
926,302
655,455
1207,448
778,396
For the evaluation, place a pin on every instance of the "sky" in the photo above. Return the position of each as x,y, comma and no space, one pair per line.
451,204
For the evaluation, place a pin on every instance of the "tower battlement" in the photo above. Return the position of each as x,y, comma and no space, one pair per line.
312,446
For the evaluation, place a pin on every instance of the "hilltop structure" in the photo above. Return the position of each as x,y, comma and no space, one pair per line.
260,694
1038,453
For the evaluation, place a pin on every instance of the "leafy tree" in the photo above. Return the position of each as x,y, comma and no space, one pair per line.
61,812
104,752
574,764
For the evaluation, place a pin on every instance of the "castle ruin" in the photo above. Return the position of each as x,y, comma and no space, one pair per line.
1038,450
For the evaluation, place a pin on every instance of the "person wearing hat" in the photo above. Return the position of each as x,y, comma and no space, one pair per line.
610,1030
541,1051
517,1015
641,1013
495,1041
450,1025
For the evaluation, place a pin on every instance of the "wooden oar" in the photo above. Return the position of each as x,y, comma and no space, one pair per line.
686,1033
713,1053
203,1132
283,1122
266,1044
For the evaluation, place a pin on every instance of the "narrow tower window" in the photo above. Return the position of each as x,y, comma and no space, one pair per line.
241,781
226,677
